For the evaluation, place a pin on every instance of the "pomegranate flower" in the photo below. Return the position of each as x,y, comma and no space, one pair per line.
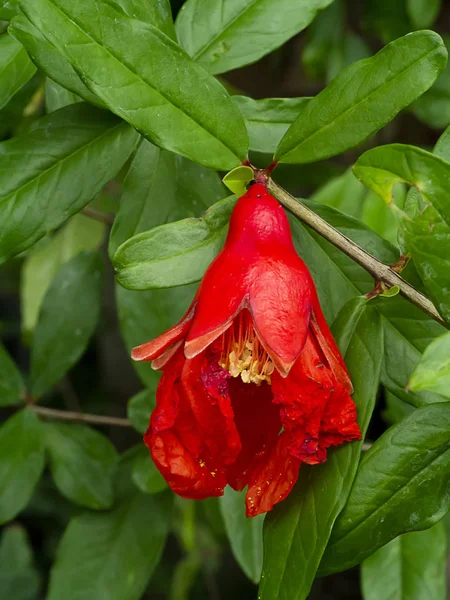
253,383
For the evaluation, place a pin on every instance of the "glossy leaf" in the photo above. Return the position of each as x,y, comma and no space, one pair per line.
175,253
15,68
81,462
111,555
145,474
22,462
12,387
45,162
336,119
154,12
427,233
396,410
238,179
433,371
148,195
167,97
19,579
198,188
411,567
67,320
245,535
423,13
57,96
140,407
226,35
383,167
427,237
401,486
43,262
48,59
407,330
145,315
268,120
296,532
433,107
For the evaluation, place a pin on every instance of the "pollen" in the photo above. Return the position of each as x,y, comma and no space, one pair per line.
243,354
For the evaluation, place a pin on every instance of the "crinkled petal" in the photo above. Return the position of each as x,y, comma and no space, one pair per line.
191,465
315,408
272,477
258,423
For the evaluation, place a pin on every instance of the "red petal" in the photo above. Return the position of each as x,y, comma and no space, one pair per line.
258,423
157,347
315,408
175,438
205,386
280,303
272,478
328,346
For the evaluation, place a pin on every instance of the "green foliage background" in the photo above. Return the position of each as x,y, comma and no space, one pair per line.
117,124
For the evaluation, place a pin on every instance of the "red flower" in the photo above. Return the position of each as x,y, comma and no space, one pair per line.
253,383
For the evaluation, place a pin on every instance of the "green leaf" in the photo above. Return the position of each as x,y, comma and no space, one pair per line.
8,8
111,555
348,50
324,34
45,162
145,315
140,407
386,19
57,96
48,59
145,474
396,409
423,13
227,35
296,532
401,486
238,179
19,579
245,535
175,253
167,97
427,238
44,261
197,189
81,462
155,12
411,567
407,330
433,371
433,107
383,167
148,195
23,460
15,68
12,387
67,320
268,120
336,119
426,235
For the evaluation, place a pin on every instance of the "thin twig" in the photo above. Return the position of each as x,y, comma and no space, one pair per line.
378,270
65,415
97,216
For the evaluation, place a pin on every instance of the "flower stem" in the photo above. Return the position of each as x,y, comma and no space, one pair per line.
65,415
378,270
91,213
